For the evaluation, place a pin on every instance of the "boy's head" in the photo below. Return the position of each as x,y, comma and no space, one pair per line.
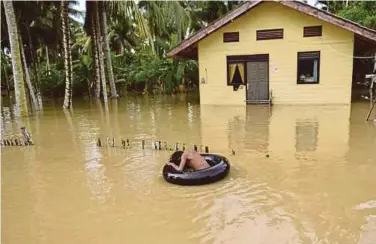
176,157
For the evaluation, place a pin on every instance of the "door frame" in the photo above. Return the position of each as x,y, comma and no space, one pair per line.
245,59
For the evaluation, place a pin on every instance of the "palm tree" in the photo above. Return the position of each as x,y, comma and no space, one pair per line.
27,14
131,10
90,9
96,26
27,77
165,18
38,22
91,28
106,49
19,87
67,55
121,35
100,51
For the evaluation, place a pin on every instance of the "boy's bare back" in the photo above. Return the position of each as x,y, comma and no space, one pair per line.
196,161
193,159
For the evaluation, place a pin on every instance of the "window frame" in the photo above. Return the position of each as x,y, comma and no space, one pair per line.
313,26
231,33
298,82
244,59
228,62
268,39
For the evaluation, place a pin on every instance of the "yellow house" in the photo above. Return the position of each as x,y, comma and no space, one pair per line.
287,52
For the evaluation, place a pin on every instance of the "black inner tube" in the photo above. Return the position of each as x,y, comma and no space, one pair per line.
219,168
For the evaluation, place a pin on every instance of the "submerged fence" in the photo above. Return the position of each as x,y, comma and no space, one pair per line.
155,145
25,140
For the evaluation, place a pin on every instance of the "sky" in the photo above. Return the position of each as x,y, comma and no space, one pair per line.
81,7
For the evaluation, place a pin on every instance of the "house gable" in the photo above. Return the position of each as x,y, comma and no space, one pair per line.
286,24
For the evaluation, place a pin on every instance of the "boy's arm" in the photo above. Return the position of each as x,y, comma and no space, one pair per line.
182,162
174,166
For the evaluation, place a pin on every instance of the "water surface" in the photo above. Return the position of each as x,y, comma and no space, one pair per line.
300,174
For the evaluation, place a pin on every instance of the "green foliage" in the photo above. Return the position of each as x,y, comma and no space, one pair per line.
165,73
362,12
52,82
140,35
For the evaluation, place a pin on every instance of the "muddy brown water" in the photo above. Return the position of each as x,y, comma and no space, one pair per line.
318,184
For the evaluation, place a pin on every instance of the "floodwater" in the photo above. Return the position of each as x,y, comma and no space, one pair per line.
300,174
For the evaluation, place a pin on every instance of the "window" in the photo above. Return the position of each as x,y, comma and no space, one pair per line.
237,67
269,34
308,67
310,31
235,73
231,37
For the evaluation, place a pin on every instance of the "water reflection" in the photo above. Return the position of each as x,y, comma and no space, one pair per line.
219,124
299,131
306,135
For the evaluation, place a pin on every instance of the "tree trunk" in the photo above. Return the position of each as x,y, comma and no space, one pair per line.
100,54
27,77
106,50
67,61
35,68
97,76
38,89
19,86
47,61
70,63
6,79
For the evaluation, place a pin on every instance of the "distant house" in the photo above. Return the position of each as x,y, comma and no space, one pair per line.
285,50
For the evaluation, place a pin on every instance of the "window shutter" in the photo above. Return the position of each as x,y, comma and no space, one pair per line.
269,34
310,31
308,55
231,37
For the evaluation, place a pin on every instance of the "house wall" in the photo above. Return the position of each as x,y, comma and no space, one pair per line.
335,46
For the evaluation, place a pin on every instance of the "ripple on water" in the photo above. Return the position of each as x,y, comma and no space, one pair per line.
234,204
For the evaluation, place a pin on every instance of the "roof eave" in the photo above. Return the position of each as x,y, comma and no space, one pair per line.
299,6
331,18
212,27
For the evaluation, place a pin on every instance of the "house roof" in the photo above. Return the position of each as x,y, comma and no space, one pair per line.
188,47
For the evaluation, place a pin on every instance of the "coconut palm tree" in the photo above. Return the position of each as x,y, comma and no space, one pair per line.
106,48
37,22
27,77
91,28
19,87
98,41
121,35
96,26
67,55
